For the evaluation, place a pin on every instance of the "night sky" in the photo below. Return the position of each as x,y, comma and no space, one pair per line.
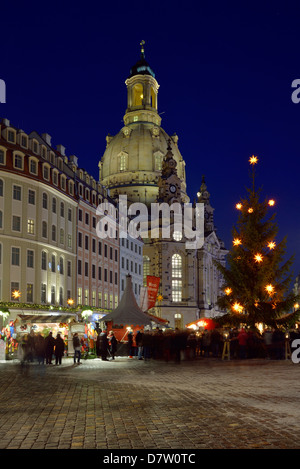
225,72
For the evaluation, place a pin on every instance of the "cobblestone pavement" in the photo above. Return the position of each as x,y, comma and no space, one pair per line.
132,404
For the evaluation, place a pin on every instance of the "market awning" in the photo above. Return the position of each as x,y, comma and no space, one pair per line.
49,318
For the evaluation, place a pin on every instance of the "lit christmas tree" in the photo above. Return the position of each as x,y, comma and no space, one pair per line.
257,278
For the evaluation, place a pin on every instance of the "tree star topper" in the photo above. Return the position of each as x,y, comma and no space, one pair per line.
253,160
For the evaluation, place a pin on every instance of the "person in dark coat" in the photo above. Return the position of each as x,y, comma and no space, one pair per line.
113,344
130,344
59,349
103,345
49,348
40,349
139,343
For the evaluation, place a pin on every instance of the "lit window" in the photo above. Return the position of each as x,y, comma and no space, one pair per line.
176,278
30,226
122,162
177,235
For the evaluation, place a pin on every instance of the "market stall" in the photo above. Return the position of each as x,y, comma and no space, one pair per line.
44,324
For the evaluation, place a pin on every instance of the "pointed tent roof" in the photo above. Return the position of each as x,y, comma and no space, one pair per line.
128,312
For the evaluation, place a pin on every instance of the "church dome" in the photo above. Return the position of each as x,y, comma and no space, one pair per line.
132,161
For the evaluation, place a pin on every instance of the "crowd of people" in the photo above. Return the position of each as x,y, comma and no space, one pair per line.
46,350
177,344
164,345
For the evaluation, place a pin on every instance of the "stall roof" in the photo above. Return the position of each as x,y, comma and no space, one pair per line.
128,312
45,318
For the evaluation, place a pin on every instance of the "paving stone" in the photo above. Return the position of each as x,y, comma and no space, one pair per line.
201,404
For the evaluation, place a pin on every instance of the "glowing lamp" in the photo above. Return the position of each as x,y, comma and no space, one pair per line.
271,202
237,307
271,245
253,160
269,288
239,206
250,210
236,241
258,258
296,305
16,294
70,302
228,291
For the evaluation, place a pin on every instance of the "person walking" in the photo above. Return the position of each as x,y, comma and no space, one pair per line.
77,348
59,349
49,348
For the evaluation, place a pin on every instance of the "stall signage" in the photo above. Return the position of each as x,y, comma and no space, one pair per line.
152,286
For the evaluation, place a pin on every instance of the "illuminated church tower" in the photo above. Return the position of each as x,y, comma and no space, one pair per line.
143,162
132,161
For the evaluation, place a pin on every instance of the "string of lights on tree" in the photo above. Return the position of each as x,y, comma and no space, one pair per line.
257,277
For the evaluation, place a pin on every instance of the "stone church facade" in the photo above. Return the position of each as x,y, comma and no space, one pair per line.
144,163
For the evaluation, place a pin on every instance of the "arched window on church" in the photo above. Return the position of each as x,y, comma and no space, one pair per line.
122,162
146,269
138,94
176,278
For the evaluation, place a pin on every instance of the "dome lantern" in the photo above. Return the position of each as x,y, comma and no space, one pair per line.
142,89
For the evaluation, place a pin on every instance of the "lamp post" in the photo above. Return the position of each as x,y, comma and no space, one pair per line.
226,346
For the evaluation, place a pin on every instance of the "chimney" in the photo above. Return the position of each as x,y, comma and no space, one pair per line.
47,139
61,149
73,159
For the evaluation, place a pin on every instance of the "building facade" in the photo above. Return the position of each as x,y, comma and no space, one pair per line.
50,252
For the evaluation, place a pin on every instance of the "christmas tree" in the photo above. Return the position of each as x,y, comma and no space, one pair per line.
257,276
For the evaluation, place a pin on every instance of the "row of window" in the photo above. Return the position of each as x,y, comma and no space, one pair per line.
57,297
133,247
137,267
109,276
58,179
101,300
53,299
53,264
94,243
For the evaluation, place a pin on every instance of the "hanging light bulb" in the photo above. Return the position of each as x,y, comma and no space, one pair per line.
271,202
228,291
239,206
237,241
271,245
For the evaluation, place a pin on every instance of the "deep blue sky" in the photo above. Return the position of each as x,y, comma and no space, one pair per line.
225,71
